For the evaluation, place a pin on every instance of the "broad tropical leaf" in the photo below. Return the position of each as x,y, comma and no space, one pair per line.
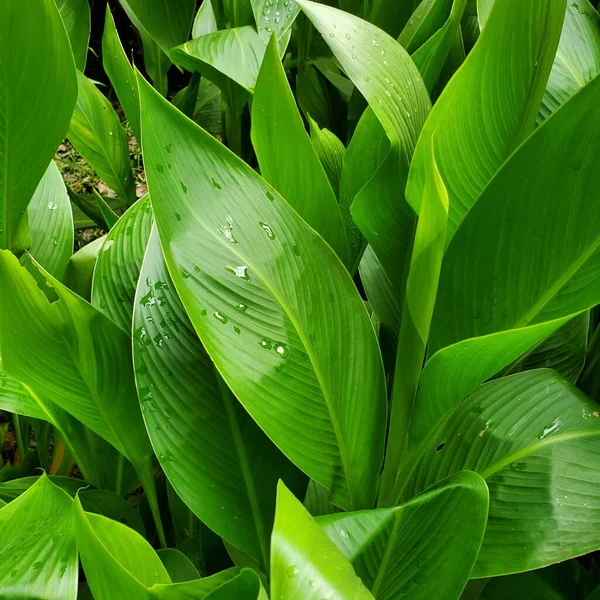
33,117
223,479
425,548
225,232
118,266
38,548
77,19
532,437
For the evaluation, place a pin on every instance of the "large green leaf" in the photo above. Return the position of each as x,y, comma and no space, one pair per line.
386,76
305,563
184,399
204,21
491,104
425,548
35,62
82,360
51,223
118,266
168,23
286,156
533,438
504,285
37,547
97,134
243,261
77,19
99,462
121,74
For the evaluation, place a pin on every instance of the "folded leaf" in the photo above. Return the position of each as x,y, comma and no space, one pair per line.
532,437
274,16
304,353
425,548
183,397
33,117
38,548
305,563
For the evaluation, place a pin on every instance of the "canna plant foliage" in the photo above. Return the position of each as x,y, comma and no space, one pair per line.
346,346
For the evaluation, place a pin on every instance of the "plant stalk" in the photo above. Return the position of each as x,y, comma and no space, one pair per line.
149,485
19,436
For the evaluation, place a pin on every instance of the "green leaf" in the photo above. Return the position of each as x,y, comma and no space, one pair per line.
118,265
305,563
167,23
204,21
564,350
432,54
386,76
80,268
82,360
286,156
51,223
223,480
118,562
425,548
34,118
11,490
225,233
227,54
99,462
232,583
109,504
121,75
157,63
330,150
504,287
532,437
178,565
274,16
577,59
421,291
38,548
77,19
207,113
498,90
97,134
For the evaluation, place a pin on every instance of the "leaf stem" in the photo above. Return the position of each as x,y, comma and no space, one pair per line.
19,436
149,485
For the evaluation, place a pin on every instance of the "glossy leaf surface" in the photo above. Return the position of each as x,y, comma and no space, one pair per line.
225,232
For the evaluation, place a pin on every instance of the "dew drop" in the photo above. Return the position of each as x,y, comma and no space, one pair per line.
269,196
366,79
216,184
282,350
168,148
296,250
185,274
292,571
241,272
268,230
348,36
219,316
159,168
237,330
266,343
550,429
344,534
242,307
183,187
178,216
52,205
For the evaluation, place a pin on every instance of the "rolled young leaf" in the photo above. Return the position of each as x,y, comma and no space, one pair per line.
305,362
34,118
